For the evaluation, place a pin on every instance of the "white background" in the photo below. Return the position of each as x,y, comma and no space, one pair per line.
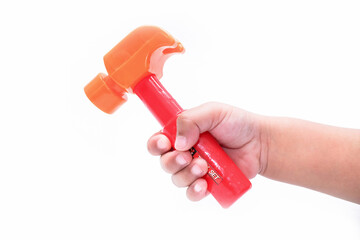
69,171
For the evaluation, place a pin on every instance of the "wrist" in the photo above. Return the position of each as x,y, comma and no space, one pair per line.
265,129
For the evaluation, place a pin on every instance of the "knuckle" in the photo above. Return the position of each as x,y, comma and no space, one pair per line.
150,144
173,162
183,159
165,163
158,144
193,196
177,181
202,165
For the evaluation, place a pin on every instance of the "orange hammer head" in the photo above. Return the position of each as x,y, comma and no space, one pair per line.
142,53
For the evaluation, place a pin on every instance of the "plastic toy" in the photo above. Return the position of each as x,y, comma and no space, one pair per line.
134,66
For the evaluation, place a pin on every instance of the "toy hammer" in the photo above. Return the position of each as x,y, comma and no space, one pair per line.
134,66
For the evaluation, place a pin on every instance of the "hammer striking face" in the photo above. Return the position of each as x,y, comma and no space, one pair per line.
134,66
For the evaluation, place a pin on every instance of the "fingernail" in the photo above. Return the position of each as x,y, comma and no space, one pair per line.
161,143
180,160
180,142
197,188
196,170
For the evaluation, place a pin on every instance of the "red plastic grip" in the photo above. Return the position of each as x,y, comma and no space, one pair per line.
225,180
232,183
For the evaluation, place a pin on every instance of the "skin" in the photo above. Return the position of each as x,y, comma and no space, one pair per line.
315,156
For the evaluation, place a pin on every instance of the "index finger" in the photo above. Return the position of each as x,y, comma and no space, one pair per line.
158,144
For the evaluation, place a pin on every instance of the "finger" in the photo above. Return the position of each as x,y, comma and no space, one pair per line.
197,120
158,144
197,190
173,162
196,169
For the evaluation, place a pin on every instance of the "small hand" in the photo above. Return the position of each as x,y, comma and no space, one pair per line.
237,131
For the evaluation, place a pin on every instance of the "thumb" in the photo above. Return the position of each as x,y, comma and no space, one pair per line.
191,123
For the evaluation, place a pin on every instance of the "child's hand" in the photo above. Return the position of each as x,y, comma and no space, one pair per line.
240,133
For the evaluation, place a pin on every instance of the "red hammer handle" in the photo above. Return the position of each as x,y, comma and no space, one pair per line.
225,180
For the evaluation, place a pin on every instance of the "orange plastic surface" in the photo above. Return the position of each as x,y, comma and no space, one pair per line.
140,54
101,94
